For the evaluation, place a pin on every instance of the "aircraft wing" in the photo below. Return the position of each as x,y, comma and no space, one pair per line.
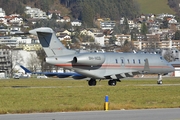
58,74
66,74
122,74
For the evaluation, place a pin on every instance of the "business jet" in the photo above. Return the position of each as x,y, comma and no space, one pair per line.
99,66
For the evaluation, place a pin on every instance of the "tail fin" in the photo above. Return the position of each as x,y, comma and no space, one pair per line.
50,43
25,69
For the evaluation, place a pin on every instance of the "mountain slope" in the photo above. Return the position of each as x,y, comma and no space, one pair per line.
154,6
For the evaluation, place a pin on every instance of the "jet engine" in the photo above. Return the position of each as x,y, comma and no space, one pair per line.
92,59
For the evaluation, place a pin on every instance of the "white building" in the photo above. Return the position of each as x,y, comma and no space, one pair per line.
87,32
176,65
99,39
172,21
2,16
76,23
14,41
120,39
16,19
107,25
2,13
35,13
5,61
161,16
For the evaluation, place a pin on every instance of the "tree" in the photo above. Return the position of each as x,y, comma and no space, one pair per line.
128,46
126,26
33,62
169,56
112,40
87,16
41,56
165,23
16,59
54,16
134,33
144,30
117,29
43,65
177,35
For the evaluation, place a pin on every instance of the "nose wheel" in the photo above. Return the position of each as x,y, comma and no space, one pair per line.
159,82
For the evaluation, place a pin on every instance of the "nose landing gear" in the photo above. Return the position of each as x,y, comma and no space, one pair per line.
159,81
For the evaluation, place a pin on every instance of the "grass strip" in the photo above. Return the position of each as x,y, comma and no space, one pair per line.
57,95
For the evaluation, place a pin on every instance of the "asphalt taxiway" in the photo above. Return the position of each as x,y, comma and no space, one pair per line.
142,114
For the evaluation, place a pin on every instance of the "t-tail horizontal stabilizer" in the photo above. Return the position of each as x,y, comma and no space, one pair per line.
50,43
146,66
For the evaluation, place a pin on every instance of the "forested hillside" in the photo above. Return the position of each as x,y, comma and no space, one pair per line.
18,6
174,4
87,10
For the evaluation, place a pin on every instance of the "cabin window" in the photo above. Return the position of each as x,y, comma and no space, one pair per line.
128,61
116,60
134,61
139,61
122,61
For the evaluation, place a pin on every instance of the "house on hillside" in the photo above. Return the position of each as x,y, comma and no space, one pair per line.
99,39
2,13
107,25
76,23
35,13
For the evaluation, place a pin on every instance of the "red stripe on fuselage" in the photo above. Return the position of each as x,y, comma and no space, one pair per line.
112,66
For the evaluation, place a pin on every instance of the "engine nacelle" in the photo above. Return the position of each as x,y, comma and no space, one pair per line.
59,60
91,59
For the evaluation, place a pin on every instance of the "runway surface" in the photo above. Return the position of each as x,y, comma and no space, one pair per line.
142,114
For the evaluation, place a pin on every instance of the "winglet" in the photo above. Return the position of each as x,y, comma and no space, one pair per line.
146,66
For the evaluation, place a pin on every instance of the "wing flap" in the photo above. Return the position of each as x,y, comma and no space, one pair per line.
122,75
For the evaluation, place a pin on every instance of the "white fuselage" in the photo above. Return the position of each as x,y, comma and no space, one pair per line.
115,65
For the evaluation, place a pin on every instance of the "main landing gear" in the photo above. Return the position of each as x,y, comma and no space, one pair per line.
111,82
159,81
92,82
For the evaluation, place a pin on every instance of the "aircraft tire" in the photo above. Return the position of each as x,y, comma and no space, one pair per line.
92,82
159,82
112,82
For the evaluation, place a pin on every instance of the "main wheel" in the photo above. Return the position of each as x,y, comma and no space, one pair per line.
112,82
92,82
